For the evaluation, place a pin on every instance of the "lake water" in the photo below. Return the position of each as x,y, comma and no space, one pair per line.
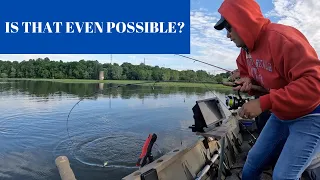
110,126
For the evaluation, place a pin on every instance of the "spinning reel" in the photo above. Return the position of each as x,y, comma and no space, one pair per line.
234,103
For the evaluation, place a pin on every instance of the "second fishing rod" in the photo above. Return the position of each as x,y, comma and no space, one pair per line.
204,63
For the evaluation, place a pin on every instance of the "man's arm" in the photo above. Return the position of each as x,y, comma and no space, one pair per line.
298,63
243,73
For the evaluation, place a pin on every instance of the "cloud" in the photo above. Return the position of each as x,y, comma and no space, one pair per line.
301,15
210,45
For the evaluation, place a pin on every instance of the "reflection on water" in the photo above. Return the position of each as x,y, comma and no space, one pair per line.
47,89
108,126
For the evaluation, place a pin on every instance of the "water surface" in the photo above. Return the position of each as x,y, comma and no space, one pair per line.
109,126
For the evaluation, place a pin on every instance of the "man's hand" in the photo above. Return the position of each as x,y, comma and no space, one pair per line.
250,109
234,75
245,85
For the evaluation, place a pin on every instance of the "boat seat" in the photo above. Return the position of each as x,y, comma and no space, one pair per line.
315,163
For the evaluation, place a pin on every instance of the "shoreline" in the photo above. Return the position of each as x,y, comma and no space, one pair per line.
179,84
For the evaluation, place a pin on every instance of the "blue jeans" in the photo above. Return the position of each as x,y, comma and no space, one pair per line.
291,143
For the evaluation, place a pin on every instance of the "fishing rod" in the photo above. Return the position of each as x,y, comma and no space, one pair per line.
204,62
254,87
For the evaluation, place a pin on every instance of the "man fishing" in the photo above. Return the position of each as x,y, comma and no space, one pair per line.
279,58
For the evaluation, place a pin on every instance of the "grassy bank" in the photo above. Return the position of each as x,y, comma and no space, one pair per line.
180,84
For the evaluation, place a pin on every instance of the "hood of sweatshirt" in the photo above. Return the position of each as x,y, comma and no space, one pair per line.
246,18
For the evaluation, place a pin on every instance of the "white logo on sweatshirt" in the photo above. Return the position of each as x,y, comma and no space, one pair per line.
254,67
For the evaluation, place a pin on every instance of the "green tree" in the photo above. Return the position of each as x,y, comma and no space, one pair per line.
90,69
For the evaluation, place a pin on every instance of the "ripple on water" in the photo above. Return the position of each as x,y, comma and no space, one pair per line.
119,150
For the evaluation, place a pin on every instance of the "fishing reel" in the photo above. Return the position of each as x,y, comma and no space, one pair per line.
234,102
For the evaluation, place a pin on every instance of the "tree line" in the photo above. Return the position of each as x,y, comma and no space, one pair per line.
90,69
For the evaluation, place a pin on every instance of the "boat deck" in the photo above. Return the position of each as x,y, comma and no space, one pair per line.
236,168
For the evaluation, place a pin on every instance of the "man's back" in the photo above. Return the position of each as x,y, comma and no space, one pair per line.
280,58
281,55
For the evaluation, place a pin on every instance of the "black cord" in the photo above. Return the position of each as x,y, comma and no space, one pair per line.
238,174
226,159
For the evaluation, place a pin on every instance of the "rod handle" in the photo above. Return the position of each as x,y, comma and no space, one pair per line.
254,87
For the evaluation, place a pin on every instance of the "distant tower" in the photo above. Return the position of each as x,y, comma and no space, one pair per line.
101,75
110,58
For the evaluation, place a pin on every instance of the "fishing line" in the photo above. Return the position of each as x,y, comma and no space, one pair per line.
217,97
203,82
124,85
101,91
81,99
229,110
209,65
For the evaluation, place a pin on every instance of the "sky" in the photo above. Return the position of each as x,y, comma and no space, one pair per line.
207,44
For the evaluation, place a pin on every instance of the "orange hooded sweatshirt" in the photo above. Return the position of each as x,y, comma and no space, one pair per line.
279,59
